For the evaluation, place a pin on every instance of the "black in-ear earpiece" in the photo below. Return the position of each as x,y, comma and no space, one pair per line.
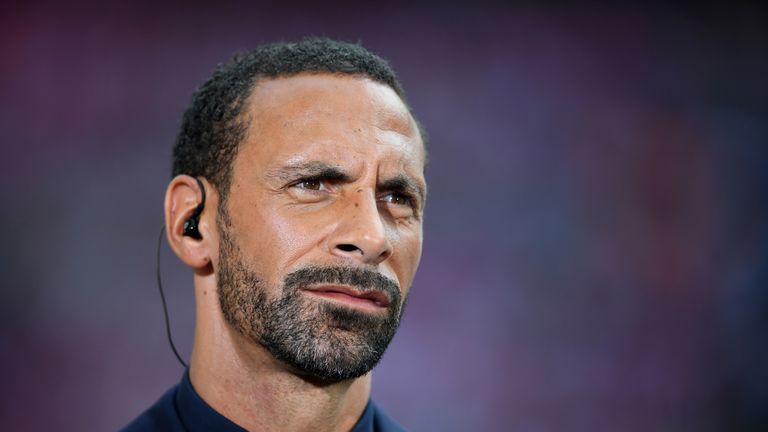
190,225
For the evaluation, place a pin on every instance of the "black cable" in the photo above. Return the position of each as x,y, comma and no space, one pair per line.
162,297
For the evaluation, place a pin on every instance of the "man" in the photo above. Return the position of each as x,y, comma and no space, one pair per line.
297,200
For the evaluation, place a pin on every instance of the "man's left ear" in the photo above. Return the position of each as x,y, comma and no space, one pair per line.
188,217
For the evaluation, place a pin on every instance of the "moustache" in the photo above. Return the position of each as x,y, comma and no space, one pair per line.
362,279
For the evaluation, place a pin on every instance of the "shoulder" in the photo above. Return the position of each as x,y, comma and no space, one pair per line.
383,422
162,416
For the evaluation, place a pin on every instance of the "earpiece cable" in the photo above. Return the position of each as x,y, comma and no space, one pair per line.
162,297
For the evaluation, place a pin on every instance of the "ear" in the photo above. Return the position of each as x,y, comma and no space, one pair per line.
181,199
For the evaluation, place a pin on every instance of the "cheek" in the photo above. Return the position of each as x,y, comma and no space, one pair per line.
406,258
267,241
288,239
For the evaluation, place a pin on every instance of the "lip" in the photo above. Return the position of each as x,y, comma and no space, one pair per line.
351,296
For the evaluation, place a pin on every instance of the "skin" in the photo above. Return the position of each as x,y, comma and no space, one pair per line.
285,217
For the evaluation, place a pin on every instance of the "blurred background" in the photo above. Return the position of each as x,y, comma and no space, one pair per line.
596,244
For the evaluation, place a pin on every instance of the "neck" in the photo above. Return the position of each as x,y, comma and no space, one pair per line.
243,382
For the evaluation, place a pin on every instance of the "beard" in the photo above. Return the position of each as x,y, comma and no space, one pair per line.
320,339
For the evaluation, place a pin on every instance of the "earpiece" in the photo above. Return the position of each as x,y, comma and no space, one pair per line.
191,224
190,230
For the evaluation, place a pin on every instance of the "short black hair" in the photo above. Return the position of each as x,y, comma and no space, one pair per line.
213,126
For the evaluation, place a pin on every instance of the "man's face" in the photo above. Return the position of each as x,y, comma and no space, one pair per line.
321,233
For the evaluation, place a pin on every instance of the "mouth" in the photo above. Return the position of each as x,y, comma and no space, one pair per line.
351,296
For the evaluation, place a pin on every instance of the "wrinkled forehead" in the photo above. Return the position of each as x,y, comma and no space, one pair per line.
319,101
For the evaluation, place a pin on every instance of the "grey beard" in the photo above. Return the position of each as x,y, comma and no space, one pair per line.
323,340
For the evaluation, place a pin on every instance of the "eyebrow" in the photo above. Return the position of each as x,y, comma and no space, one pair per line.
309,169
323,170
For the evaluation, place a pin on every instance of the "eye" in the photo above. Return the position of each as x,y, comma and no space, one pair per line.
397,199
309,184
400,205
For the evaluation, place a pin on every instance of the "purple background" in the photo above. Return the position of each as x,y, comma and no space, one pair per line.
596,245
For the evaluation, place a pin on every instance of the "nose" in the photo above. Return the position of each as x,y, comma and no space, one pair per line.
360,233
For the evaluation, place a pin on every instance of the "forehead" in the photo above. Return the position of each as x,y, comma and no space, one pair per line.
335,116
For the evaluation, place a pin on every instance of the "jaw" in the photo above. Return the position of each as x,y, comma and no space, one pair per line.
243,381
